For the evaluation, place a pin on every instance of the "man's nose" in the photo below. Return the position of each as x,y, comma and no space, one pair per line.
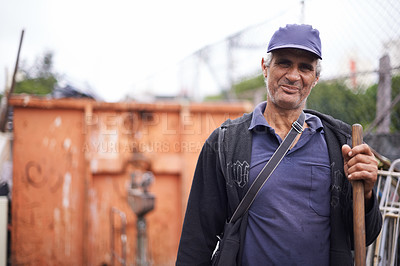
293,74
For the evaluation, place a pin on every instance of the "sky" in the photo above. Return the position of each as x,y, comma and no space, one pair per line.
111,46
132,47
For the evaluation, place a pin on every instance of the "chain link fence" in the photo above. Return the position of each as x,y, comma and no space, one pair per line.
355,35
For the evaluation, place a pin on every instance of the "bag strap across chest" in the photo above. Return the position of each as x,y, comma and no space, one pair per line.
265,173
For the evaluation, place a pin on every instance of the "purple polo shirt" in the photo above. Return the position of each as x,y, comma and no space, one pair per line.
288,222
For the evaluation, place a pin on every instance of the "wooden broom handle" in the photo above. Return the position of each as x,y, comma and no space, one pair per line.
358,206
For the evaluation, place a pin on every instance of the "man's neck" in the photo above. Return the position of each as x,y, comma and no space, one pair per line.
281,120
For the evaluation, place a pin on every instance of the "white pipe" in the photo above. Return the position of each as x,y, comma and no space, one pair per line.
3,229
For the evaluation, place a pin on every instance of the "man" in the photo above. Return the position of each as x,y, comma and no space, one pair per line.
303,213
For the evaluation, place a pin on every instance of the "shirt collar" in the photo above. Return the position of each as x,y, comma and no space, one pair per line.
258,119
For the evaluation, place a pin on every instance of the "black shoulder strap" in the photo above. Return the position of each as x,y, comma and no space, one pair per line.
221,155
244,205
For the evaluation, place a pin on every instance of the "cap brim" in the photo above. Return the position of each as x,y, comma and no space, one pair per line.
295,46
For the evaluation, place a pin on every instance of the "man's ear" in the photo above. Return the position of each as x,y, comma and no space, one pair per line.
264,68
315,82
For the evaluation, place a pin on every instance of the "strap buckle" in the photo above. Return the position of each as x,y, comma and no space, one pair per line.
296,126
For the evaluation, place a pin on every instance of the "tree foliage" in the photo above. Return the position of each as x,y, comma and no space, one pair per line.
249,84
338,100
38,79
243,89
351,106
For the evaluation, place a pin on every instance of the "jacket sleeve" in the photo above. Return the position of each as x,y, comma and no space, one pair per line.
373,218
206,209
373,222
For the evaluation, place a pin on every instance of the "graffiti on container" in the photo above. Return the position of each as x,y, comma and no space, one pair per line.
35,178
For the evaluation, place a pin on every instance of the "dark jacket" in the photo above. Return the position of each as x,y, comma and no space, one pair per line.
216,191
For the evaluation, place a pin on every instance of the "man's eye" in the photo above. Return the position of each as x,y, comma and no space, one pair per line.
284,64
306,68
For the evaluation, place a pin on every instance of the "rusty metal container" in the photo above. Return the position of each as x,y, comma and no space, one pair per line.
72,161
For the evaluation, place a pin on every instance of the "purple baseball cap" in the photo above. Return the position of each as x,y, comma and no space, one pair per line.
296,36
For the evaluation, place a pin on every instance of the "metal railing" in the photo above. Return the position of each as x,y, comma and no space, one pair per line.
384,251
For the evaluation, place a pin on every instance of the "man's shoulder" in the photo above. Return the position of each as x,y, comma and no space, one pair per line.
242,120
332,123
232,125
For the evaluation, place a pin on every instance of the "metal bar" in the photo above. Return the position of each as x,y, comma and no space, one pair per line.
3,118
121,259
387,242
387,173
45,103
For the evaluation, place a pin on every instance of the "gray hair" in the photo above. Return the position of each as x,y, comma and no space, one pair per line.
268,60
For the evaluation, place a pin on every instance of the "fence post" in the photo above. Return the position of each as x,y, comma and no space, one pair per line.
383,100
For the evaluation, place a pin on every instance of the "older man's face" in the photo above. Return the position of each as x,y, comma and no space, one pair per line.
290,78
